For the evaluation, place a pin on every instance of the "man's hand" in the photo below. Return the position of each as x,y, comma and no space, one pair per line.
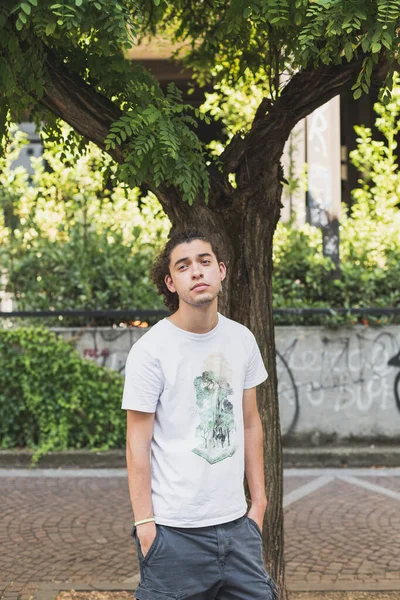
257,512
146,534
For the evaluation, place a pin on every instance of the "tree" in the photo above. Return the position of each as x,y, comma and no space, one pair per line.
65,61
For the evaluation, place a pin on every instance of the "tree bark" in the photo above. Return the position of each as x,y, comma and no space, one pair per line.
78,104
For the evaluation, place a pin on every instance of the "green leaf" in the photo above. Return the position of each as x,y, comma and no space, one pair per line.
348,51
26,7
50,28
246,12
357,93
78,2
19,25
376,47
33,2
365,44
157,2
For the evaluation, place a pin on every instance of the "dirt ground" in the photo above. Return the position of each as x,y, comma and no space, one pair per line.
292,596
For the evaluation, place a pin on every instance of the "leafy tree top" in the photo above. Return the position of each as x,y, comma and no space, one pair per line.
66,61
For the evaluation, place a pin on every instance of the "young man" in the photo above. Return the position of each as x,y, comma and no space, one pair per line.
193,429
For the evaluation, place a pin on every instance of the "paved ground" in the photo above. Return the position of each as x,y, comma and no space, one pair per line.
342,530
75,595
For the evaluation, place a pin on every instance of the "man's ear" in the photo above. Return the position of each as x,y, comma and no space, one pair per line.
222,270
169,283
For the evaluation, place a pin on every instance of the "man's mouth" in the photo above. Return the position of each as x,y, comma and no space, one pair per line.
199,286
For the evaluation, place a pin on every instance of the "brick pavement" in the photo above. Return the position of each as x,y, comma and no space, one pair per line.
71,527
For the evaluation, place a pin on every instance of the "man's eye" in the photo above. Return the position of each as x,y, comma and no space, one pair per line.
181,267
206,261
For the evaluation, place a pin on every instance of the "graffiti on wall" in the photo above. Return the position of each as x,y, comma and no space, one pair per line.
340,376
355,371
107,347
395,362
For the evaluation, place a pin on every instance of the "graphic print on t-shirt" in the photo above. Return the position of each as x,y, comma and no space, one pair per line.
217,419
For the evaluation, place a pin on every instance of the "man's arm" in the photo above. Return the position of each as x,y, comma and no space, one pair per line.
254,456
139,432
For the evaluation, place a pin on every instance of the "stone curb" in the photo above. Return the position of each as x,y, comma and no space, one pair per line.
80,459
346,586
50,591
323,457
342,456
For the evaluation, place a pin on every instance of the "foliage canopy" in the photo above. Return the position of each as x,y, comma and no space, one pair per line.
152,134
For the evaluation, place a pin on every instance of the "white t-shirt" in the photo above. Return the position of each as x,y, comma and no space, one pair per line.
194,383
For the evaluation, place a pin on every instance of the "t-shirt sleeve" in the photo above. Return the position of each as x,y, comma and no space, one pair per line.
143,381
256,372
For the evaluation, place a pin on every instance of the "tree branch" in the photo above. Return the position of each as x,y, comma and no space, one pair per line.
74,101
91,114
306,91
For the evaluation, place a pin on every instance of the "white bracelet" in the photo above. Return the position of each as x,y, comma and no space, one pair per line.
144,521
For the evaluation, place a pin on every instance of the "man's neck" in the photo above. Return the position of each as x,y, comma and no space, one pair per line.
196,319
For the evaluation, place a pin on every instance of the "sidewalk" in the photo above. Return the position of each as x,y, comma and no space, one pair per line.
70,529
292,596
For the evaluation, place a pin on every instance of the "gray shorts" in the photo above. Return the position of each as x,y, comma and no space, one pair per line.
217,562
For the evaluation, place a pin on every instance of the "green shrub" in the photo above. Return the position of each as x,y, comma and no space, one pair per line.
72,238
301,277
52,399
101,273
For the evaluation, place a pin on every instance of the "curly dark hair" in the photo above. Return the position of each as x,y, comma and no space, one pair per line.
160,266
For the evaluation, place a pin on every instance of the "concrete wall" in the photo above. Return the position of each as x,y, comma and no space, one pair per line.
339,383
334,384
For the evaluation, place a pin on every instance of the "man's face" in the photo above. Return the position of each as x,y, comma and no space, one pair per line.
196,275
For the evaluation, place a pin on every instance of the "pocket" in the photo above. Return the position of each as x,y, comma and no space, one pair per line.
274,588
254,524
144,593
154,544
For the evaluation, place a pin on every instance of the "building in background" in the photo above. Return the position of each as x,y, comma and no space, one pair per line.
32,149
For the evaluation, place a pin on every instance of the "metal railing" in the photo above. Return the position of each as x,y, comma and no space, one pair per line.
162,312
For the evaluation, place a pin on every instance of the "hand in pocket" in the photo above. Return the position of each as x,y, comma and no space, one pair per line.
146,534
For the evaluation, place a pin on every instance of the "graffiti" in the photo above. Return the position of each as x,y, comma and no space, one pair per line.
319,168
287,389
95,353
336,374
395,362
323,158
317,130
108,347
339,381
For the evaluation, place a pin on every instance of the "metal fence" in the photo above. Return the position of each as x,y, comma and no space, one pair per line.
132,313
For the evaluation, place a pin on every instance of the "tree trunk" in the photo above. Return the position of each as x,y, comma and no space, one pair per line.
246,230
257,245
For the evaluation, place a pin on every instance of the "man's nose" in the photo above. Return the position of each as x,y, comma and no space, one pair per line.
196,271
